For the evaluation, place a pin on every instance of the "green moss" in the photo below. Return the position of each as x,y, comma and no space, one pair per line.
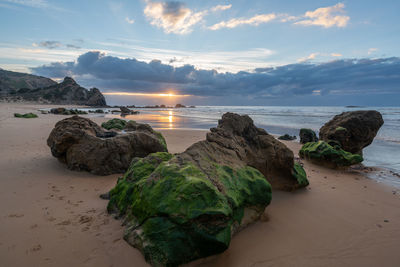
161,139
323,152
340,129
244,187
176,214
300,174
26,115
114,124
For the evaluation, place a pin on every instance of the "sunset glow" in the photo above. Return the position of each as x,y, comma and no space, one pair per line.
146,94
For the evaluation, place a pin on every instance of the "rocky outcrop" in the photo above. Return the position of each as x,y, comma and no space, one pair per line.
14,83
329,154
181,207
287,137
66,92
307,135
85,146
353,130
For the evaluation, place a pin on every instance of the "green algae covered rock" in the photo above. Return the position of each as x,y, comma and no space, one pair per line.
26,115
300,174
327,153
175,213
114,124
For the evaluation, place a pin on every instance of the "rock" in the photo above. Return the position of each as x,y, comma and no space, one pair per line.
125,110
181,207
85,146
180,106
95,98
26,115
68,92
353,130
325,154
287,137
114,124
307,135
64,111
57,110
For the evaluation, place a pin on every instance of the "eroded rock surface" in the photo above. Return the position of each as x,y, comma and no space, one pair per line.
353,130
85,146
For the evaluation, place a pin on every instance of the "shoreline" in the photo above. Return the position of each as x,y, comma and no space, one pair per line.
54,217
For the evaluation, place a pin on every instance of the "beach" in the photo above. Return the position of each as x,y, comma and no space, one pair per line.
52,216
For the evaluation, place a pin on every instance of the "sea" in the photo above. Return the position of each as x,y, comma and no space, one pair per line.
383,153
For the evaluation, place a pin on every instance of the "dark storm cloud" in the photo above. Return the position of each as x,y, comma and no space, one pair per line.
340,77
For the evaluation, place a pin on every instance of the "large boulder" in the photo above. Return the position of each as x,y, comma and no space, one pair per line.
353,130
83,145
181,207
307,135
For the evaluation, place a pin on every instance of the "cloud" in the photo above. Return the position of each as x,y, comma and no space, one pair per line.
72,46
336,55
220,8
130,21
309,57
254,21
29,3
48,44
339,77
173,17
372,50
326,17
54,45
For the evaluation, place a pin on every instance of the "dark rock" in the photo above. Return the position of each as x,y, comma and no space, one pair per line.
125,110
180,106
353,130
66,92
287,137
323,153
307,135
83,145
181,207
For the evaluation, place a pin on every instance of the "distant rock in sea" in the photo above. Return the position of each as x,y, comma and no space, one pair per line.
25,87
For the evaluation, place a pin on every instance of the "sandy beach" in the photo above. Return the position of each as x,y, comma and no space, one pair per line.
51,216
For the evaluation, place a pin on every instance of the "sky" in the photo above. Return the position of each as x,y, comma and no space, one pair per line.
260,52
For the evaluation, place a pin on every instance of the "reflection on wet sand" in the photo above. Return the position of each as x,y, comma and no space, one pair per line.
162,119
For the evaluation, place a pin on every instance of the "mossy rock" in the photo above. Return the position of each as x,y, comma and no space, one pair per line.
114,124
26,115
324,153
176,214
300,174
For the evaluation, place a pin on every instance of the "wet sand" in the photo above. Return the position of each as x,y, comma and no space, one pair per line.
51,216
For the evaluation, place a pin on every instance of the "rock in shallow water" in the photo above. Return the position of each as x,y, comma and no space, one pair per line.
353,130
178,208
85,146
